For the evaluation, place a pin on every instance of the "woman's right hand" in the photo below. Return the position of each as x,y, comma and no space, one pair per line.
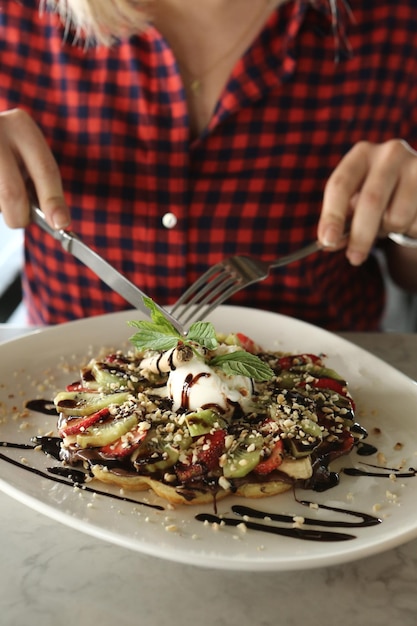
25,156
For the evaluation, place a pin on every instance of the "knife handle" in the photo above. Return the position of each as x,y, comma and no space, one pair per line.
39,218
65,237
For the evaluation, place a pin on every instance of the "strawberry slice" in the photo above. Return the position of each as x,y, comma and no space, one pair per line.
78,386
336,449
208,457
273,461
188,473
80,424
212,449
119,359
247,343
348,441
287,362
125,445
331,384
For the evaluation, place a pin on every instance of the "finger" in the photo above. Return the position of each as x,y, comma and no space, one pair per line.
373,200
14,203
32,150
341,188
401,214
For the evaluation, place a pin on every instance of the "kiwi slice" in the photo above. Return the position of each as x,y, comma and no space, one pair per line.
79,403
325,372
106,433
243,455
105,377
202,422
298,449
311,428
165,457
158,454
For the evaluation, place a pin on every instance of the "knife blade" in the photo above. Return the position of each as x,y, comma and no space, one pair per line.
107,273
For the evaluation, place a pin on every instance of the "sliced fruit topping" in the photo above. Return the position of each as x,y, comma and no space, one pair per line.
114,372
300,448
202,422
80,403
161,448
243,455
78,386
297,360
331,384
106,375
205,457
326,372
211,449
160,456
126,444
81,424
311,428
106,433
273,461
247,343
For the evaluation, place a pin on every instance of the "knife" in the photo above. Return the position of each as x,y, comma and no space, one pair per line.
106,272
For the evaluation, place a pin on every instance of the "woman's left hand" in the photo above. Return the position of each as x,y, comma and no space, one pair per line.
375,187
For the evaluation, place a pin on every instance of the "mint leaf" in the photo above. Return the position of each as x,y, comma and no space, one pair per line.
243,363
204,334
159,334
159,318
149,338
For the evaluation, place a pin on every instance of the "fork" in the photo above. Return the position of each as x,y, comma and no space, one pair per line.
231,275
224,279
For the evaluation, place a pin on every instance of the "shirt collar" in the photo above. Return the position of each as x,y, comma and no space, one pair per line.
259,71
339,13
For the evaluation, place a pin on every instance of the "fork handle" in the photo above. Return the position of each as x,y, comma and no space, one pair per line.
315,246
403,240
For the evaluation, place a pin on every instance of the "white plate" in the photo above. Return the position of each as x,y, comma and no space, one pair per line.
38,365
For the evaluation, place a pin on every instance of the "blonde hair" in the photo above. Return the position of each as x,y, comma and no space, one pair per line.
102,21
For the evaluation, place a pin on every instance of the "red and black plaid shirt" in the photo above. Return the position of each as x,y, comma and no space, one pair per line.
252,183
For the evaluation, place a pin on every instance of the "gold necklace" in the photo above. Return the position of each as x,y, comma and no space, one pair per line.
196,81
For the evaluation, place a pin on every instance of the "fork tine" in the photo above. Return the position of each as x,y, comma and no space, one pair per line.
211,295
190,293
211,288
199,294
207,286
201,313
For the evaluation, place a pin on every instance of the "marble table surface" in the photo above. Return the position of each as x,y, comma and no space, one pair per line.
52,575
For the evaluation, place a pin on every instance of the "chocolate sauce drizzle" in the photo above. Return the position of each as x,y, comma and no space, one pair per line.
73,477
76,478
47,407
365,519
189,382
365,449
386,472
296,532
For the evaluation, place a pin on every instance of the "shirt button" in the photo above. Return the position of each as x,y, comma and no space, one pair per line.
169,220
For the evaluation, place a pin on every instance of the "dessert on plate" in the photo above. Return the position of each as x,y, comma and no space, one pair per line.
200,417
